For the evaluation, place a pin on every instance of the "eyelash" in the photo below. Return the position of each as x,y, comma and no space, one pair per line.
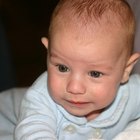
95,74
62,68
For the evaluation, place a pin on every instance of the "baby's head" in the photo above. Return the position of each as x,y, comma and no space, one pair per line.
90,53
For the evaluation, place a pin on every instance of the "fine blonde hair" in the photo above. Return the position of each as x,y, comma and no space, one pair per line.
116,12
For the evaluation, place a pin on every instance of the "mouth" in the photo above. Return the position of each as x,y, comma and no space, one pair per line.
77,103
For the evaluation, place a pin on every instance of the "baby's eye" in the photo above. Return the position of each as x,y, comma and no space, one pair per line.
63,68
95,74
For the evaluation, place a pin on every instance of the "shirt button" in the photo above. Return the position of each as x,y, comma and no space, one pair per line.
70,129
96,134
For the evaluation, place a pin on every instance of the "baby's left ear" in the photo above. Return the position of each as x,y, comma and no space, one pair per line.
129,66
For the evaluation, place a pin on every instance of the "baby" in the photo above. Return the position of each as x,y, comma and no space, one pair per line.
87,92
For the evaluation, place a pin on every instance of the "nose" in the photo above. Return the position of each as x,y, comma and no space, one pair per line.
76,86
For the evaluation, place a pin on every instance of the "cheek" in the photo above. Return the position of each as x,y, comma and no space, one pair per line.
55,85
108,97
104,95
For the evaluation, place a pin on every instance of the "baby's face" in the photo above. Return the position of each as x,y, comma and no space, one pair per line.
84,71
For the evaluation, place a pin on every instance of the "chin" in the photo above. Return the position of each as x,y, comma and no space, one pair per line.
77,113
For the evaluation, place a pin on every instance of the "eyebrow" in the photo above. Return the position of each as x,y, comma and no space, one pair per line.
53,55
101,65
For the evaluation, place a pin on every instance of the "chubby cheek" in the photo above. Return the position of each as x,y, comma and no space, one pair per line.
104,96
55,87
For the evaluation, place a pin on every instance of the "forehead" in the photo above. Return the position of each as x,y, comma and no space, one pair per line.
69,39
87,32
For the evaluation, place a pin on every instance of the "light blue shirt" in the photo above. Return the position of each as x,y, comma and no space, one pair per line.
42,119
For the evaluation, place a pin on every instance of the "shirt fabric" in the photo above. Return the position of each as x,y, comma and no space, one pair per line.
42,119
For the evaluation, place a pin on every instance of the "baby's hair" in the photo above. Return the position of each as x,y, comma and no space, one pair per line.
115,12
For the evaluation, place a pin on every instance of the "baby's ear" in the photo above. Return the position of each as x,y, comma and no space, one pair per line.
45,42
129,66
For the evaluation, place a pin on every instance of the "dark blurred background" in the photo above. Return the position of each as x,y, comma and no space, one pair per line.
22,56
